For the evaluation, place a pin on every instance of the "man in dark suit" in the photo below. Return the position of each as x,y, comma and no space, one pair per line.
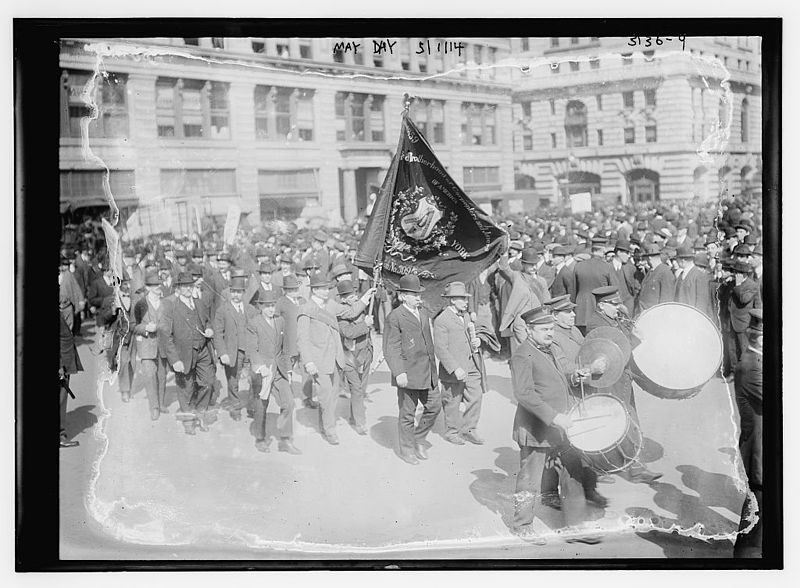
744,297
692,283
658,285
460,366
185,337
99,291
230,343
267,353
260,281
564,280
408,349
749,396
70,363
149,348
542,390
590,274
625,275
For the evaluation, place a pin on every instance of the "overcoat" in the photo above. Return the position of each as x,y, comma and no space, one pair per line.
408,348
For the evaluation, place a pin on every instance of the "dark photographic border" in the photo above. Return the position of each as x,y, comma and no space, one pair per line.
36,73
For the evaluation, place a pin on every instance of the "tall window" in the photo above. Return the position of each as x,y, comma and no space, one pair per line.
650,98
574,66
527,141
575,124
526,45
359,117
198,182
627,99
192,41
553,140
552,106
599,99
284,114
574,40
481,178
600,137
650,135
554,41
283,194
649,55
306,49
745,121
478,124
526,109
218,42
428,115
630,135
110,95
594,63
192,109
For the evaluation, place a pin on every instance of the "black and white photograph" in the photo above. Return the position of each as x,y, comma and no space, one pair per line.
456,297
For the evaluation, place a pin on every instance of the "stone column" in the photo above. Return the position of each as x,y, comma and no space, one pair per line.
349,194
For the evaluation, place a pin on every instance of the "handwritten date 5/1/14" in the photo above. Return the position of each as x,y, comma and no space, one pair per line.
659,41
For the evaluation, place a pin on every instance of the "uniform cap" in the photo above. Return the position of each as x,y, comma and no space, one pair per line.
608,294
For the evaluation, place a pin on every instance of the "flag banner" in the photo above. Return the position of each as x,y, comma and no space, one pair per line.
232,223
581,202
423,223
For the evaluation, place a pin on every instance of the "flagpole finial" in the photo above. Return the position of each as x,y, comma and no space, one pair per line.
406,102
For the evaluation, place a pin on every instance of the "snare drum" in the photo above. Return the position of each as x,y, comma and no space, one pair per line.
605,433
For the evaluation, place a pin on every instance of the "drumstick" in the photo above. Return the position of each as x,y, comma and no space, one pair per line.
586,431
597,416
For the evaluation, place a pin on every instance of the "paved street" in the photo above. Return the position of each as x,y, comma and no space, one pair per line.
137,489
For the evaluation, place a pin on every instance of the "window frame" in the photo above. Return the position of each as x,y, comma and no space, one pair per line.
208,112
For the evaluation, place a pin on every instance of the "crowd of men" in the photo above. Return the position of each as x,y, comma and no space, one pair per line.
276,303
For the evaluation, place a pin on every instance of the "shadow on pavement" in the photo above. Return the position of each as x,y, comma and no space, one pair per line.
384,433
674,545
80,419
501,385
714,489
651,451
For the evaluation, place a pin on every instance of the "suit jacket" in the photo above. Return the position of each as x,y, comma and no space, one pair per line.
318,338
590,274
98,292
148,345
255,287
658,287
747,381
181,331
289,310
569,340
451,342
230,330
564,282
542,391
267,344
743,298
548,273
693,289
356,341
625,280
70,360
408,348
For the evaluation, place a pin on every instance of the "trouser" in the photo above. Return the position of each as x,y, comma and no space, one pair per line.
327,386
471,392
573,461
154,372
76,324
238,401
355,380
749,545
729,354
407,400
194,388
63,406
126,369
529,487
281,392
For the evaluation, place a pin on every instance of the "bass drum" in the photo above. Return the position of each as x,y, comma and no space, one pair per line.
680,351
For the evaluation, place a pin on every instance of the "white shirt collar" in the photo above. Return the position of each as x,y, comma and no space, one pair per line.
318,301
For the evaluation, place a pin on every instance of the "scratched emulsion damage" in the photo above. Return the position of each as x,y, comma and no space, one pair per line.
711,146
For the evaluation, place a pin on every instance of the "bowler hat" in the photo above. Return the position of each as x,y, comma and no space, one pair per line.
319,280
223,256
151,279
608,294
684,252
756,320
238,283
622,245
454,289
410,283
701,260
266,297
741,250
530,256
560,250
339,270
311,263
285,259
266,267
290,282
184,279
345,288
537,316
741,267
320,236
651,249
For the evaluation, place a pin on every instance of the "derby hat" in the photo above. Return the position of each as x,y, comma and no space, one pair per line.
265,297
684,251
223,256
530,256
456,289
345,288
238,283
266,267
320,280
410,283
152,279
701,260
290,282
339,270
622,245
651,249
184,279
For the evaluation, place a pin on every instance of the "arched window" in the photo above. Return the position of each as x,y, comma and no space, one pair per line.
745,130
575,124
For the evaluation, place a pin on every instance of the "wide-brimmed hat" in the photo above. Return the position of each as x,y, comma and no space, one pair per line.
339,270
454,289
285,259
345,288
266,267
622,245
184,279
290,282
684,252
223,256
320,280
410,283
152,279
265,297
651,249
311,263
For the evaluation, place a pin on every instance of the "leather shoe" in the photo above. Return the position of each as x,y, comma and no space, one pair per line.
409,458
596,498
262,445
473,437
154,414
551,500
360,429
126,397
455,439
421,452
333,439
644,477
63,443
287,446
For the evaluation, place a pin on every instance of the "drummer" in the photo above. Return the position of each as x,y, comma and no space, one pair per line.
607,314
543,396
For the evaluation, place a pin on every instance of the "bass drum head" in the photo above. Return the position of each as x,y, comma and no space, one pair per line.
599,421
680,349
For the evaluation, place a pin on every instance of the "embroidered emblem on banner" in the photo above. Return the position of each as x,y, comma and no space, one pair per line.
419,224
